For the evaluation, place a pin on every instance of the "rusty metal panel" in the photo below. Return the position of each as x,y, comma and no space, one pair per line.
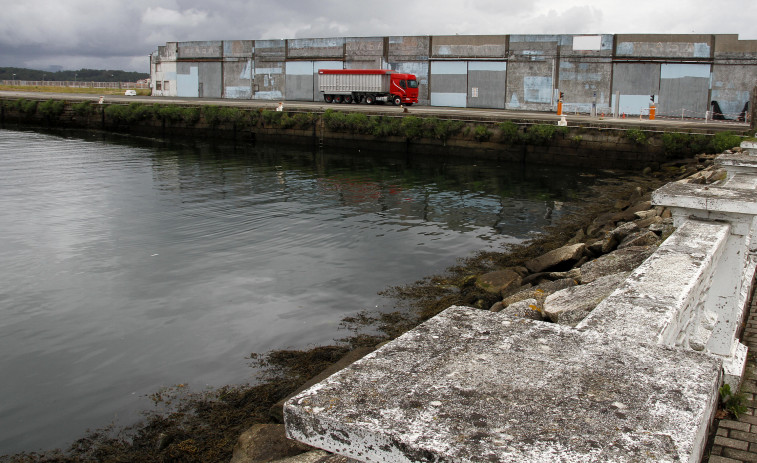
316,48
200,50
664,46
469,46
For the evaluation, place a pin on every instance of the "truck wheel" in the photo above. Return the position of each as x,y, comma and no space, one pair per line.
369,99
328,98
348,99
397,101
337,98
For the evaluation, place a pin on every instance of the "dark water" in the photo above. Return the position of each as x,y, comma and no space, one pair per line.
128,266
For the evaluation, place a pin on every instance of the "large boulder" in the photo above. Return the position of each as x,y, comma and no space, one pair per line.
640,238
565,256
264,443
570,306
499,282
622,260
527,308
538,293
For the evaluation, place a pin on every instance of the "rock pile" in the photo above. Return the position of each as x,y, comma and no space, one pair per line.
565,284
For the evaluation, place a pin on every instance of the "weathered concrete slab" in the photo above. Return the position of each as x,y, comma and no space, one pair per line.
659,299
471,385
706,198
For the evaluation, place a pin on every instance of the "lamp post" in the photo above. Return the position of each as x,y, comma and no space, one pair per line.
14,79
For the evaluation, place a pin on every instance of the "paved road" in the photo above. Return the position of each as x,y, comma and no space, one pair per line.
457,113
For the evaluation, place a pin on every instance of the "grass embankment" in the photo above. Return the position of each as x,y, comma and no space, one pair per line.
81,90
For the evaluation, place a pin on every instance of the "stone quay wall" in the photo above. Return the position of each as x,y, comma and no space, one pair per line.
591,143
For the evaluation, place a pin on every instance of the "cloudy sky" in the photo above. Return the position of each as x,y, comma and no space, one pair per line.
120,34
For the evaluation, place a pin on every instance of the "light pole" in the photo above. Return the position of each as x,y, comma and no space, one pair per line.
14,79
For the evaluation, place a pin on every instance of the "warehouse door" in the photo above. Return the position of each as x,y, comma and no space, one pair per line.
299,80
684,90
449,83
486,84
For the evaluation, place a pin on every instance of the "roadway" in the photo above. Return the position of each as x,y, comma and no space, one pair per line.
472,114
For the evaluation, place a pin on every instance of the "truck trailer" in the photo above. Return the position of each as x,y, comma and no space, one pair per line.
367,85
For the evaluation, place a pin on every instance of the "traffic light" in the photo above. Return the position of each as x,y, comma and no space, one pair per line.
562,95
651,98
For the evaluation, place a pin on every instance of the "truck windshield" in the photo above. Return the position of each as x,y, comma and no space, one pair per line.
412,83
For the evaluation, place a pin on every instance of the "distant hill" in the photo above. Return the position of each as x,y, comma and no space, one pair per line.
93,75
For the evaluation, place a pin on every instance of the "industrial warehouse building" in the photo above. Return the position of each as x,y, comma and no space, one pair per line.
686,75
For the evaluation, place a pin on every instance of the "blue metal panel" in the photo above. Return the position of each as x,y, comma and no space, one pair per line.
449,67
456,100
188,84
487,66
678,70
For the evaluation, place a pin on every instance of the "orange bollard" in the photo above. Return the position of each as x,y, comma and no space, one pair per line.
559,107
652,111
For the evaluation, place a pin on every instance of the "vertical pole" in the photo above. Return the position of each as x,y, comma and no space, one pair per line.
754,108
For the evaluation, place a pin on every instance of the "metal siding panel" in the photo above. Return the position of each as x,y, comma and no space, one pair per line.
487,66
449,67
486,88
636,78
299,68
456,100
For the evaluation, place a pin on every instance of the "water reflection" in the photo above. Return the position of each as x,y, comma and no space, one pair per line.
132,265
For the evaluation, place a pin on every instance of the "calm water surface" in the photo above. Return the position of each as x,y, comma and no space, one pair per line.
127,266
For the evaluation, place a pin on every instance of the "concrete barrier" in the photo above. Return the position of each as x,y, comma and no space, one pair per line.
637,380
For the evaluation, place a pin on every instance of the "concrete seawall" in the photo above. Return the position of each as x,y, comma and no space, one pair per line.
528,138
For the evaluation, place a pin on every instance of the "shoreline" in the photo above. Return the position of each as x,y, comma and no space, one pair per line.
181,423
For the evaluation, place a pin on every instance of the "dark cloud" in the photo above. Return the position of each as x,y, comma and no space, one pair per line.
120,34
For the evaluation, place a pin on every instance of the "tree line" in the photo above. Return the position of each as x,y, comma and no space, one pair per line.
87,75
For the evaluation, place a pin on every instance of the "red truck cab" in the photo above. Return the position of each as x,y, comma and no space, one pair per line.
405,86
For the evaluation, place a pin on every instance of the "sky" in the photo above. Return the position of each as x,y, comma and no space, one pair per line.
120,34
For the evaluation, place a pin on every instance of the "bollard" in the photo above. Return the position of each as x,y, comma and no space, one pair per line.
652,111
